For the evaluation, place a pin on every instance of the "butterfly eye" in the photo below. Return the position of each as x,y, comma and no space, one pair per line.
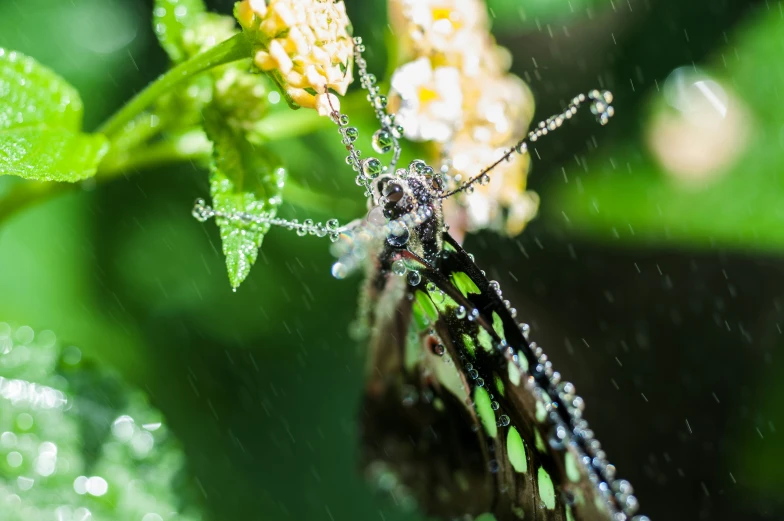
382,182
397,202
393,192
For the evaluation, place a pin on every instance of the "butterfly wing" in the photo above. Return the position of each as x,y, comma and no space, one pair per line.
463,416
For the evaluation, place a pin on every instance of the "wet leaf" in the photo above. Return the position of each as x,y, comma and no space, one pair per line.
171,18
40,119
79,443
243,179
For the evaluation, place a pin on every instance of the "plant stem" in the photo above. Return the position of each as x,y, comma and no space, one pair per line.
234,49
192,145
289,124
130,154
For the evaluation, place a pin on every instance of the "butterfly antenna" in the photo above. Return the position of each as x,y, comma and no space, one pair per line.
203,212
600,107
386,138
366,169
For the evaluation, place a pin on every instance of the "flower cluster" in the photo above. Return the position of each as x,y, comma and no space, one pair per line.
305,45
454,90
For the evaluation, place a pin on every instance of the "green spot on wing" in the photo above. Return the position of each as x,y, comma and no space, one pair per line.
420,317
539,442
498,326
413,349
499,384
514,373
515,448
485,340
546,489
449,247
463,282
427,305
600,504
572,472
485,411
541,412
487,516
468,342
442,301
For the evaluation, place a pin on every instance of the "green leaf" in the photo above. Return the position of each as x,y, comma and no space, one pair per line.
48,154
40,119
171,18
243,178
92,423
31,95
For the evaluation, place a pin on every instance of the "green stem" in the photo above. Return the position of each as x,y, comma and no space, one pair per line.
130,154
192,145
288,124
235,48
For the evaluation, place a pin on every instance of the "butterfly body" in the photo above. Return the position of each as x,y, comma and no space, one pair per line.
463,416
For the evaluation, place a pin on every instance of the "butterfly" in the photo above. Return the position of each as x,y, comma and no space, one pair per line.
463,416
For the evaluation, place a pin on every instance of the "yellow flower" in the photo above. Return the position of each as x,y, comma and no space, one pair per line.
437,25
454,90
427,101
305,44
498,110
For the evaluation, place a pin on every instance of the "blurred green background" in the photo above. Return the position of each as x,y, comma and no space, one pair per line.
653,276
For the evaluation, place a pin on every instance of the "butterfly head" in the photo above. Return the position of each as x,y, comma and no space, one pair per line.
410,202
410,189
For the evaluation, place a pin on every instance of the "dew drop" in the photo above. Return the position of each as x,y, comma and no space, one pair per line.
372,167
201,211
399,268
398,236
414,277
380,102
339,270
383,141
493,466
376,216
525,329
